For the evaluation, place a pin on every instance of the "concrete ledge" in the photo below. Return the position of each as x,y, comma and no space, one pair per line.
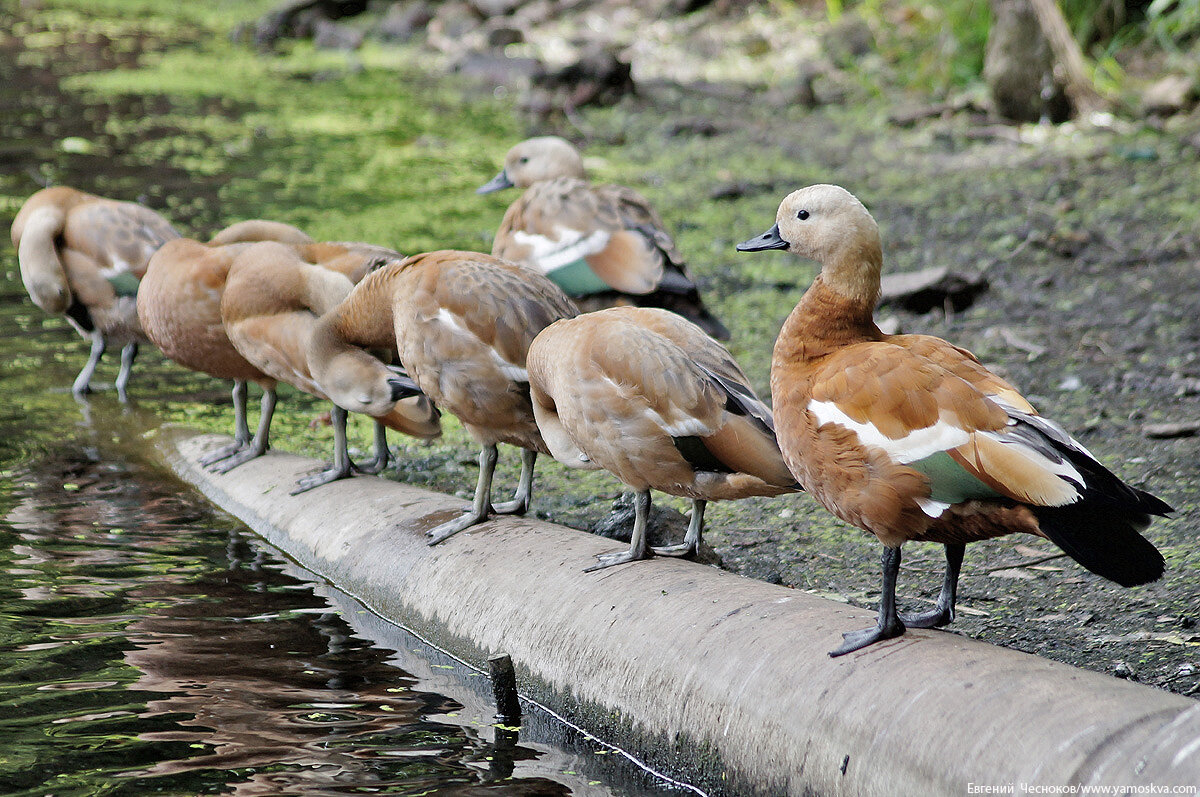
716,679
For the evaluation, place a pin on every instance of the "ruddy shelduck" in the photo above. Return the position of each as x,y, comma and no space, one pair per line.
270,306
179,307
602,244
83,256
462,323
911,438
653,399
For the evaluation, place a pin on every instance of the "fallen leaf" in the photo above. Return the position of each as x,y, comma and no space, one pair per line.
1012,572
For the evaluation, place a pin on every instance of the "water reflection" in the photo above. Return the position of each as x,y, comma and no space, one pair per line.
161,654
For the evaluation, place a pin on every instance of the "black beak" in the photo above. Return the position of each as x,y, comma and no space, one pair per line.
497,183
403,386
768,240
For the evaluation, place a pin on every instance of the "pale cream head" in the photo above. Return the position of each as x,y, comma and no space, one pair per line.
357,382
543,158
826,222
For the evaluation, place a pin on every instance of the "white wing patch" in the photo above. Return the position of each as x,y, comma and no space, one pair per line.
917,444
549,254
931,507
510,370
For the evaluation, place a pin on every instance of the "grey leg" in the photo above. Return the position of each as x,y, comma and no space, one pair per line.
128,355
479,509
519,505
691,540
889,625
382,455
241,429
637,542
259,445
342,467
82,384
943,612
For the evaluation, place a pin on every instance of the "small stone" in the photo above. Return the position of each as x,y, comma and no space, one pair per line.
1070,383
1123,670
332,36
849,39
495,8
889,325
501,36
702,127
597,77
1169,95
929,288
1167,431
404,20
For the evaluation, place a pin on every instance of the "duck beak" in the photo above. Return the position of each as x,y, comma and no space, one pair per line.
402,385
497,183
768,240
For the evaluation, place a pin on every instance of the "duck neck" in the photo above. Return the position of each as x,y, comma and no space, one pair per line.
836,311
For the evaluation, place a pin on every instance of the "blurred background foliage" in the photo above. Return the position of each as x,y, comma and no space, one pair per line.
938,47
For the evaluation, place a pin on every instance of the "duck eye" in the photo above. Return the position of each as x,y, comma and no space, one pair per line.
802,215
523,160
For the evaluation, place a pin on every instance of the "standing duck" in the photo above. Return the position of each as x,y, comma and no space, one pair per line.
911,438
270,306
179,307
462,323
83,256
602,244
656,401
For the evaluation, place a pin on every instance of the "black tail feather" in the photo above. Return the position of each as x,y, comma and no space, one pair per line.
1104,538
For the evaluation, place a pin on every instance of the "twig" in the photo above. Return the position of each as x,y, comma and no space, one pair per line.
1025,564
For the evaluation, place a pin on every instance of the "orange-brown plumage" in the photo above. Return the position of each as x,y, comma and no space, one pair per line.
83,256
911,438
653,399
603,244
461,323
270,308
464,322
180,307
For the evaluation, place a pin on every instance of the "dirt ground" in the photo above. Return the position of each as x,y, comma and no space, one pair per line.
1088,239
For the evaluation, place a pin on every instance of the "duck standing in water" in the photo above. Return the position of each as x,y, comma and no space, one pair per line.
270,307
462,323
661,405
602,244
911,438
83,256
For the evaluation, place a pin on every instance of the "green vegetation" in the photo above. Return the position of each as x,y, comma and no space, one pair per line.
937,47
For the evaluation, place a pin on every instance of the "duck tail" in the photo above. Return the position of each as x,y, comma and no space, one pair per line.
1104,537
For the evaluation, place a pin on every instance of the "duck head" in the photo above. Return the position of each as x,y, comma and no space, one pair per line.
535,160
829,225
357,382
